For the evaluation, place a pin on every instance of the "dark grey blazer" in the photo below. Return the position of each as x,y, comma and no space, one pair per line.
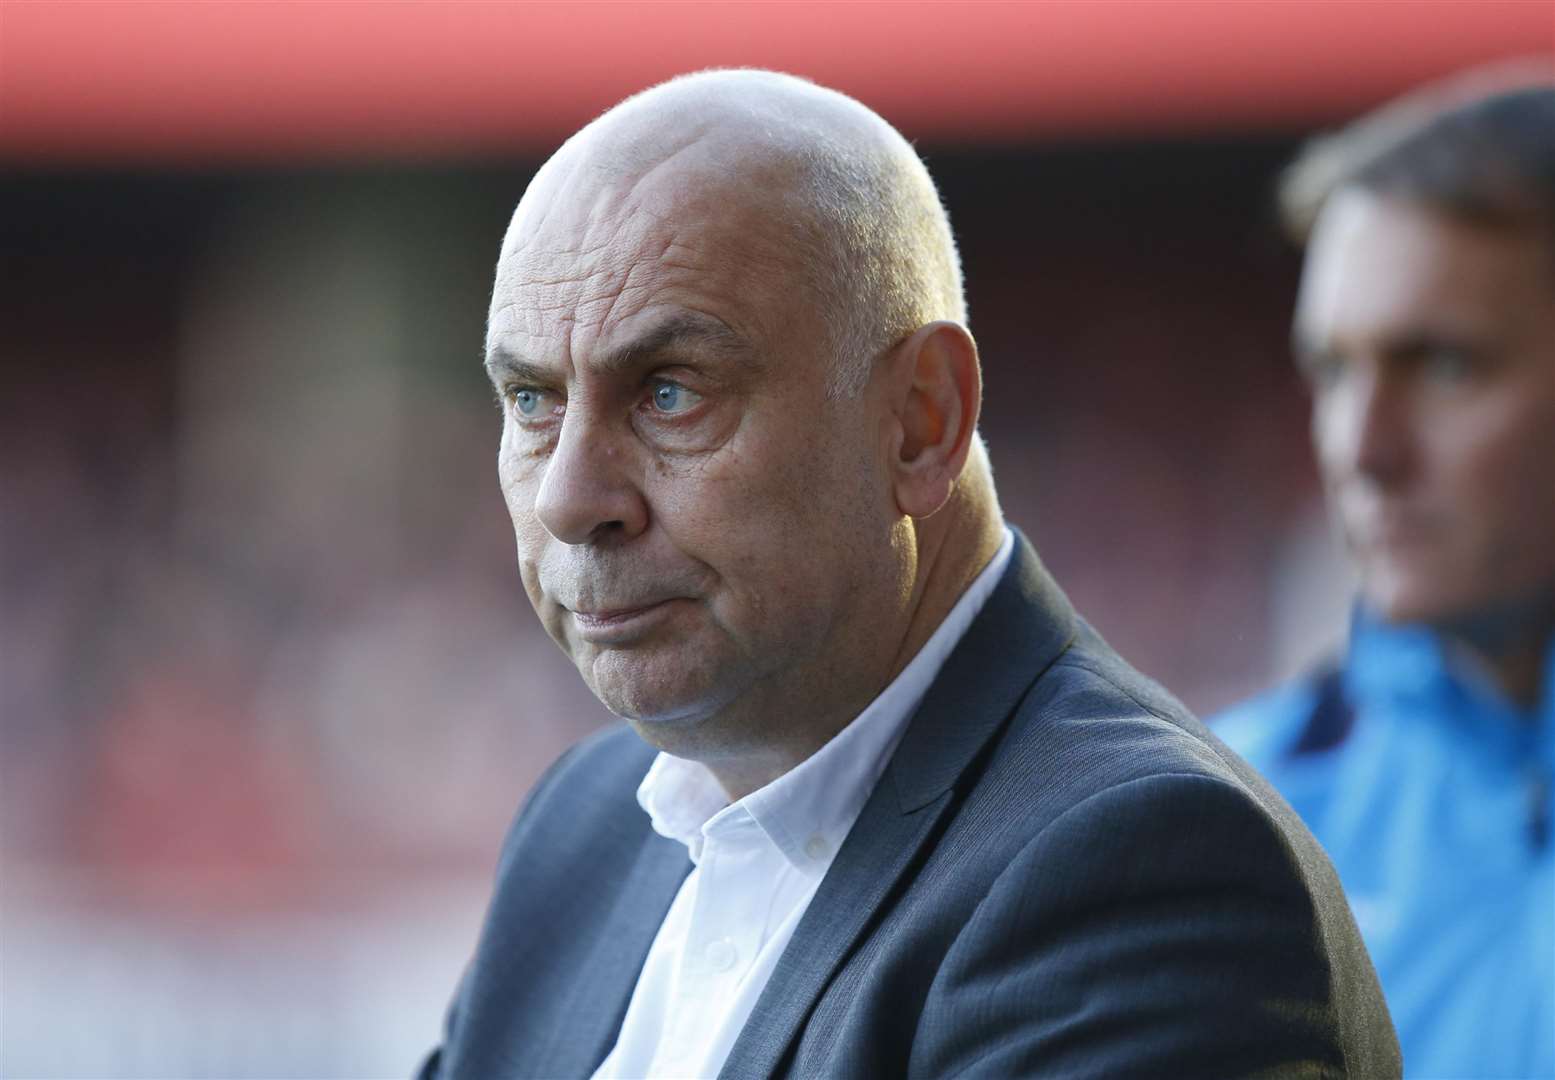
1061,874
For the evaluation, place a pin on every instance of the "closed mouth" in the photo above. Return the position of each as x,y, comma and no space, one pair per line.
624,625
607,617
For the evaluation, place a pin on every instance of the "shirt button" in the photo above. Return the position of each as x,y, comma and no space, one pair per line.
721,954
815,847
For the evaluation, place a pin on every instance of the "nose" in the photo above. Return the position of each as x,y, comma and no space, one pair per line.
1364,429
588,493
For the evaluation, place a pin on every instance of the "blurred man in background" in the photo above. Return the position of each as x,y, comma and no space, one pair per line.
888,807
1425,327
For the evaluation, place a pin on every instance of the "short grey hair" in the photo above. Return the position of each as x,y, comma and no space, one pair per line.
879,254
888,263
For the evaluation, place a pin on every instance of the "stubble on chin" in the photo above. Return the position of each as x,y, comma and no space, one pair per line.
652,686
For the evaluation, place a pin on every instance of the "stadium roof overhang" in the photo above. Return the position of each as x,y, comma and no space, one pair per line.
130,82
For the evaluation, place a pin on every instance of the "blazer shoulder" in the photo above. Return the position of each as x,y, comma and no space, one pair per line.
1174,879
1114,753
1092,707
1093,723
593,782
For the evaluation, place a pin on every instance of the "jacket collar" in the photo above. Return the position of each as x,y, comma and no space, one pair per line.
1410,664
575,1038
1025,625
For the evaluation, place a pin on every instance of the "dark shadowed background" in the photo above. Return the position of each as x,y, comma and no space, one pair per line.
269,687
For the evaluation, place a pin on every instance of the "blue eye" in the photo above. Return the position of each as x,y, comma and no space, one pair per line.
672,398
526,401
1448,364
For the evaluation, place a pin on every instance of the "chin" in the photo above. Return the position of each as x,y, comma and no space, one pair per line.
1410,584
1421,598
652,700
647,709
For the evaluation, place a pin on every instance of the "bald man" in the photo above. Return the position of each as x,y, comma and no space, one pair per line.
884,805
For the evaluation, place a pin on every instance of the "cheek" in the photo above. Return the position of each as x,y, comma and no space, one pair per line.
726,515
785,532
1506,484
1489,479
1494,457
1333,435
746,516
518,476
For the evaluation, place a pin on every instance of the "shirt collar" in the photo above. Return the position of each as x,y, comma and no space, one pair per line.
807,812
1408,664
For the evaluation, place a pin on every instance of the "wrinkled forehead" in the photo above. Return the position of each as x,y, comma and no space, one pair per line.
601,238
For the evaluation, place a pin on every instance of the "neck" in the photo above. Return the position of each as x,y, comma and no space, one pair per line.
1511,647
948,551
953,547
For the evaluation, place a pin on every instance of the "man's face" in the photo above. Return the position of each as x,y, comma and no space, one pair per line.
700,527
1429,344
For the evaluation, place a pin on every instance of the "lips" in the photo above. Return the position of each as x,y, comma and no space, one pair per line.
606,597
606,617
621,625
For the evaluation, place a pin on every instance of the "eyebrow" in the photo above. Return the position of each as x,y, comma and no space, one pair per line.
679,330
1407,342
502,365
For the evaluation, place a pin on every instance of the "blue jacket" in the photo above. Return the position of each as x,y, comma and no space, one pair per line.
1432,795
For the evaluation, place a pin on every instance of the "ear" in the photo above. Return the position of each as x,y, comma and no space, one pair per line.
939,392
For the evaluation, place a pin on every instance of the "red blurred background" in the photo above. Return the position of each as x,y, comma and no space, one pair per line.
106,80
269,690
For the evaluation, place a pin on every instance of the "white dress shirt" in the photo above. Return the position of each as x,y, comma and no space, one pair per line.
756,866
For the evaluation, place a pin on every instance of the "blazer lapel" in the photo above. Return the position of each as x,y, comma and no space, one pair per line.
1025,625
585,1028
848,897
